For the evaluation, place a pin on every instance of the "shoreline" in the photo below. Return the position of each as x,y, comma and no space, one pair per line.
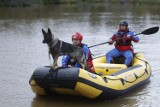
15,3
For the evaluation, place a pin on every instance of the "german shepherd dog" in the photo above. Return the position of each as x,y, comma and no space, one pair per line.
58,48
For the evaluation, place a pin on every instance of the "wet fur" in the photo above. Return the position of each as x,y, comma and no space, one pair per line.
58,48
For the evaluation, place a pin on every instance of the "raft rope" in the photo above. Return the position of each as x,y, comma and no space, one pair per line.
136,77
105,78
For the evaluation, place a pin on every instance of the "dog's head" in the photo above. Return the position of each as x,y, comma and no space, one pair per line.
48,36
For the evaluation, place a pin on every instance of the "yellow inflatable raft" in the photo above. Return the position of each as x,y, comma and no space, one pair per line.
110,81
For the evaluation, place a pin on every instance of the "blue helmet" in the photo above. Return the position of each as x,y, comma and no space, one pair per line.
124,23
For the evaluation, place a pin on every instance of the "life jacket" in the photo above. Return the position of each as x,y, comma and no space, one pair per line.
122,43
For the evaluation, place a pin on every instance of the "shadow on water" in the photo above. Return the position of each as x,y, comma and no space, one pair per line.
59,101
128,99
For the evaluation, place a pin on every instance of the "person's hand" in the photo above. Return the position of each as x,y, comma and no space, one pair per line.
129,36
110,41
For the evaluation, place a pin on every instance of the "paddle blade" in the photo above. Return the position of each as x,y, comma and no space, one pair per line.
151,30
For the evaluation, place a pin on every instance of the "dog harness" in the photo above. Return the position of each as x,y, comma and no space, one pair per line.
66,60
54,42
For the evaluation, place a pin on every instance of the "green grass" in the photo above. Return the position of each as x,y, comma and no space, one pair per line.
99,1
46,2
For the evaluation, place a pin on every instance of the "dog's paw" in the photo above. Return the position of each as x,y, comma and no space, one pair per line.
54,67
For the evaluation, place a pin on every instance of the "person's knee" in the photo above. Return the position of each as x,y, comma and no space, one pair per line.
108,54
128,60
129,57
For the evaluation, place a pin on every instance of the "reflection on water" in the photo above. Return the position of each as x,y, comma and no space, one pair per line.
63,101
21,49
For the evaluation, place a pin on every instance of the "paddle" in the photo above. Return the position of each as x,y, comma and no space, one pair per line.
148,31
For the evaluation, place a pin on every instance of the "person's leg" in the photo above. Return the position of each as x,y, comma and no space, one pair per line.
129,56
77,65
111,54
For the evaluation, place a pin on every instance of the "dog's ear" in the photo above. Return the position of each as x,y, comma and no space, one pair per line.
43,32
49,31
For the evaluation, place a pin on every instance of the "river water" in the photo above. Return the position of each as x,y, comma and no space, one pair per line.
22,51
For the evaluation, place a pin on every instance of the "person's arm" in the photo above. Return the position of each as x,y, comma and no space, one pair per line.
86,51
133,37
111,40
65,60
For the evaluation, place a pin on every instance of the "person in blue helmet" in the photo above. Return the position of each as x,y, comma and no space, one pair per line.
77,40
123,43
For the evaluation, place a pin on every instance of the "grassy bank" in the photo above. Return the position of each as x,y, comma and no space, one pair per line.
46,2
134,2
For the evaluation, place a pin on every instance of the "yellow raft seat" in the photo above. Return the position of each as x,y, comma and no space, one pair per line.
110,81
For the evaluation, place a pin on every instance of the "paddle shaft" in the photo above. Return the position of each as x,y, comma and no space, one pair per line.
145,32
108,42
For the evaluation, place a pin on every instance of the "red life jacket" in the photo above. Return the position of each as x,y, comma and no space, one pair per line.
122,43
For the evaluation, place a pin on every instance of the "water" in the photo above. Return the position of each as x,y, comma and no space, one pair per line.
21,49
